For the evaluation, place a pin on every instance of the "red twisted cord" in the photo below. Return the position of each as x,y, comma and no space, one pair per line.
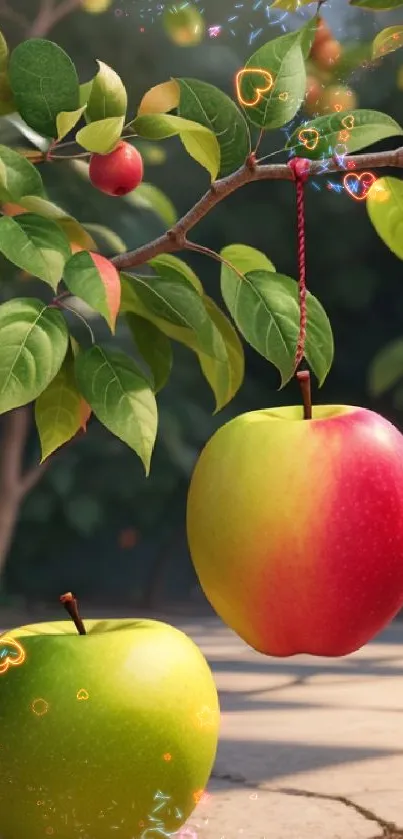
300,168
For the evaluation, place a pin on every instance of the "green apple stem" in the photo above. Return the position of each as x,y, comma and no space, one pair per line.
304,379
70,604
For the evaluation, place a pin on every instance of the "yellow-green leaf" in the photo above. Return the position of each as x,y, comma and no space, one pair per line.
7,102
58,409
198,141
102,136
387,41
385,209
3,52
108,97
245,258
224,378
66,120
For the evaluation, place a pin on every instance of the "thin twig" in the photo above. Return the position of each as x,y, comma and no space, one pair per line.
175,238
193,246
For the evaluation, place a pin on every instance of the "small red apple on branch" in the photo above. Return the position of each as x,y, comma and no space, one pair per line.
118,172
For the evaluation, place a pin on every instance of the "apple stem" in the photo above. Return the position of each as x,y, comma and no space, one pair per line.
304,379
70,604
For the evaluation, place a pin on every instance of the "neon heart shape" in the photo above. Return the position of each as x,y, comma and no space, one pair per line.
358,186
13,660
309,137
259,91
348,122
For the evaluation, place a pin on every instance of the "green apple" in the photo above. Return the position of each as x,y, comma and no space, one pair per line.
295,527
112,733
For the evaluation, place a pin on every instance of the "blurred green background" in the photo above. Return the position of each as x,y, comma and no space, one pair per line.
93,523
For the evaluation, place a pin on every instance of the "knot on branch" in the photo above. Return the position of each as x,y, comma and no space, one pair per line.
177,237
300,168
251,162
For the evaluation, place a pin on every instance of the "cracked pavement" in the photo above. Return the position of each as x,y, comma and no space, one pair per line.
309,747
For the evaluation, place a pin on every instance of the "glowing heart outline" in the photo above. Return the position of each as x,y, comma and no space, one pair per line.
359,177
309,144
7,661
348,122
259,91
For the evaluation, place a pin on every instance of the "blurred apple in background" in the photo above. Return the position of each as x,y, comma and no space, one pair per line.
184,24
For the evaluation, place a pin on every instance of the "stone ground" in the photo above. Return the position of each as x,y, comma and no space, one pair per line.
309,748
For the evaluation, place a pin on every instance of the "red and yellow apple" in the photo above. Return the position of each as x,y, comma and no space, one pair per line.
112,732
295,527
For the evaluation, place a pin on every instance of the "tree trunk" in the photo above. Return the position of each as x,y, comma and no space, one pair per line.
14,482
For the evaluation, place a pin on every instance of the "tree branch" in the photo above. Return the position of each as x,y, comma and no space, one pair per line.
10,14
49,15
175,238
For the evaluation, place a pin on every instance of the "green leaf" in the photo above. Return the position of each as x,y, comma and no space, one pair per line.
96,281
3,52
71,227
33,344
203,328
175,307
120,397
108,97
245,258
58,409
265,308
224,378
154,347
44,83
107,238
102,136
386,369
36,245
271,86
387,41
18,176
385,209
207,105
319,138
171,267
377,5
198,141
149,197
66,120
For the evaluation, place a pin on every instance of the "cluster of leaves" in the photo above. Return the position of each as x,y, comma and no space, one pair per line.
41,360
